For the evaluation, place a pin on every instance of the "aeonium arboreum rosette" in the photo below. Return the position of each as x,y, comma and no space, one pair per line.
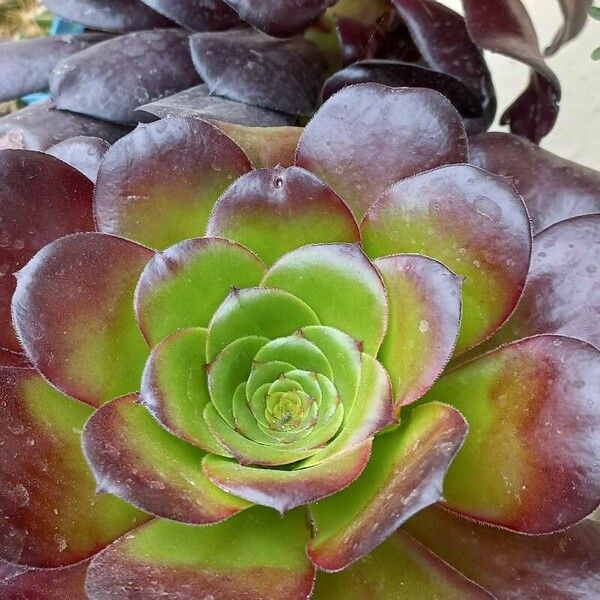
227,377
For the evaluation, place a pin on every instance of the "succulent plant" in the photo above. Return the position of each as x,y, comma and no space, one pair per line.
141,60
249,366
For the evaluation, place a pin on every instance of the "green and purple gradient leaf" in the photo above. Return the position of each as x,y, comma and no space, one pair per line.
534,413
108,15
562,294
25,65
159,184
442,38
280,18
197,102
553,188
40,126
134,458
340,284
174,387
503,26
248,66
400,568
41,199
50,514
72,311
515,567
285,490
265,146
368,136
111,79
473,222
404,475
255,555
196,15
26,583
424,300
83,153
184,285
273,211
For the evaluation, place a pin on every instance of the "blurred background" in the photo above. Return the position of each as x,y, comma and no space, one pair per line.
577,133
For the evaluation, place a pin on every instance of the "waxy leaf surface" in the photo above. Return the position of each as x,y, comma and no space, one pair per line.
196,15
473,222
84,153
158,185
256,554
349,144
50,512
72,311
534,413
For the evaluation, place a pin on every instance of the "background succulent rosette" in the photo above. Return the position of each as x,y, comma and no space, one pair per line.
346,324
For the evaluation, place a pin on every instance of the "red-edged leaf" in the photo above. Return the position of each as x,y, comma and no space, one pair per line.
399,569
285,490
553,188
280,18
273,211
404,475
534,412
111,79
12,359
50,514
424,300
108,15
516,567
159,184
26,583
443,40
369,136
84,153
504,26
562,294
196,15
40,126
255,555
25,66
250,67
473,222
41,199
134,458
73,313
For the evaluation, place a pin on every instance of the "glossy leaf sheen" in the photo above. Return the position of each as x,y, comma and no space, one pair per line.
534,413
284,490
335,280
404,475
41,199
273,211
473,222
84,153
40,126
248,66
424,299
515,567
50,514
196,15
400,568
108,15
25,66
280,18
553,188
174,387
159,184
242,557
72,311
111,79
418,128
134,458
184,285
199,103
